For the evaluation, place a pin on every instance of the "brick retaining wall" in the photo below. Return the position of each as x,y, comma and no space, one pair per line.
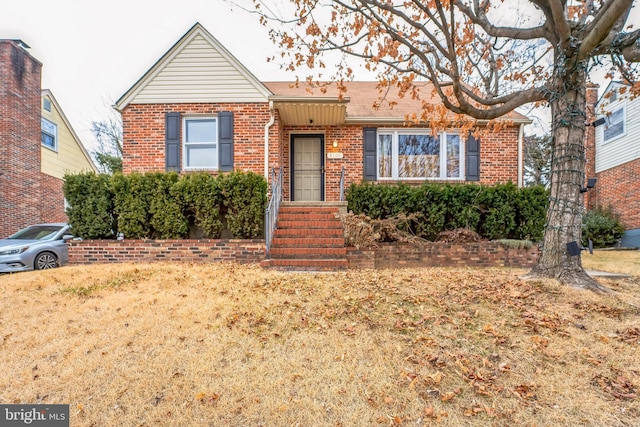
387,255
429,254
205,250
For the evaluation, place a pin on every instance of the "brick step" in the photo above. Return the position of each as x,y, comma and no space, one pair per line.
308,232
307,242
329,224
307,252
302,208
305,264
306,216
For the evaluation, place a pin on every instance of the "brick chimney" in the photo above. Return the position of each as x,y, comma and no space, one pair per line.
20,129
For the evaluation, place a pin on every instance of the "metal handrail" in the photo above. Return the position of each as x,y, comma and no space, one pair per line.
271,213
342,185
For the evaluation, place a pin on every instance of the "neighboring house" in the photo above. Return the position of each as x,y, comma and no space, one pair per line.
198,108
37,144
617,157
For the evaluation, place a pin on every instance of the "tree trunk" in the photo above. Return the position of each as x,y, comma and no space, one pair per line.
564,216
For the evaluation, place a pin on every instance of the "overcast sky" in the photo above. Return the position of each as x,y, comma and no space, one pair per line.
92,52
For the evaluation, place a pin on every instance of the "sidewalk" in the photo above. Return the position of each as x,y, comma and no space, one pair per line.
607,275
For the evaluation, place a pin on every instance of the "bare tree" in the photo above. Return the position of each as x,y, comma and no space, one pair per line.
108,133
537,159
484,58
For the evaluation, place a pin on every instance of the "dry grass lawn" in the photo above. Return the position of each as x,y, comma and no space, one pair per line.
228,345
613,261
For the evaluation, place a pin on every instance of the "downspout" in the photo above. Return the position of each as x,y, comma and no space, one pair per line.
267,127
520,155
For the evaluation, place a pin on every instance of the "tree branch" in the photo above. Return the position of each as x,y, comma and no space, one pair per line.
562,29
478,17
613,14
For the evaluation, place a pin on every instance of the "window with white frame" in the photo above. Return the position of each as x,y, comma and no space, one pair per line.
49,134
405,154
200,143
614,125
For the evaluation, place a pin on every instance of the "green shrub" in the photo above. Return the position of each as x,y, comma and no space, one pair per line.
244,198
90,205
145,208
167,219
132,199
498,212
602,226
201,200
531,212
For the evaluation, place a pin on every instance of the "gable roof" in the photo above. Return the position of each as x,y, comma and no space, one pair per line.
197,68
358,101
54,101
613,85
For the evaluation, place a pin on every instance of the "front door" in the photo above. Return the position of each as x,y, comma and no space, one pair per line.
307,168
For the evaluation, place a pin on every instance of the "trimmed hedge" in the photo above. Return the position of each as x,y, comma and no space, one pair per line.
499,212
159,205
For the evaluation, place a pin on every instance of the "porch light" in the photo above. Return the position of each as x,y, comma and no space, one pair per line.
335,143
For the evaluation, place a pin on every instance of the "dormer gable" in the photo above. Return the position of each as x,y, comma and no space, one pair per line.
198,68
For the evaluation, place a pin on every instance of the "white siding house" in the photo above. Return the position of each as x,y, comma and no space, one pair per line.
617,157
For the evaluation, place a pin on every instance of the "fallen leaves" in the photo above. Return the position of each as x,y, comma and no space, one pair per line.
629,335
207,398
619,387
402,347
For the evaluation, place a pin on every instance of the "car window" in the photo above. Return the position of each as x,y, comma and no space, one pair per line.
36,233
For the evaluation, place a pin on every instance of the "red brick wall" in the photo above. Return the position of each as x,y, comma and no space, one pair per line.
52,200
144,133
619,187
498,156
403,255
144,140
388,255
104,251
20,176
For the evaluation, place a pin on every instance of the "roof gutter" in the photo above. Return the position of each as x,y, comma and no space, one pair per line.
267,127
309,99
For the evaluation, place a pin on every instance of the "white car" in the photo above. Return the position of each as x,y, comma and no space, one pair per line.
36,247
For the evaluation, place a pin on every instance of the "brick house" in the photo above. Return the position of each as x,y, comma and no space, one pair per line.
615,157
199,108
37,144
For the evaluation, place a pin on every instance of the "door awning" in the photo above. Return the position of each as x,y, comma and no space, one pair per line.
311,111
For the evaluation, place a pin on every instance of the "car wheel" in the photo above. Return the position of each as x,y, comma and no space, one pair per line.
45,260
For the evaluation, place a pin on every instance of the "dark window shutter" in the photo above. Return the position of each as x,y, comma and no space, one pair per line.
172,142
473,159
225,141
370,154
